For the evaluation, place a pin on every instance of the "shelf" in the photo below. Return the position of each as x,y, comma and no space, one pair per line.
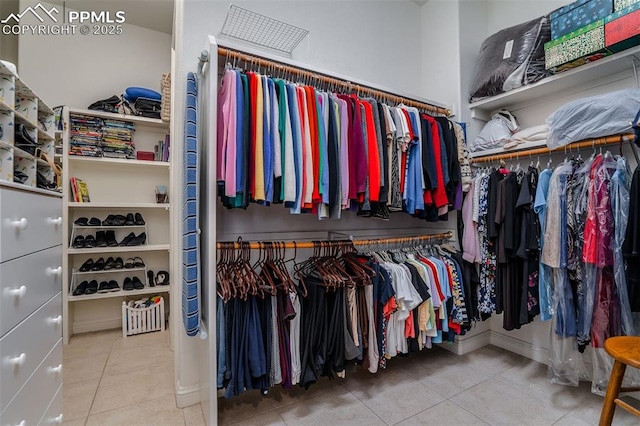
21,186
4,107
108,227
5,145
127,249
21,119
44,136
143,121
121,293
118,161
501,150
43,109
556,83
42,163
110,271
17,152
24,90
99,205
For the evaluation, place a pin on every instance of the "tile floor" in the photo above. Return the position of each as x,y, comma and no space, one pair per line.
109,380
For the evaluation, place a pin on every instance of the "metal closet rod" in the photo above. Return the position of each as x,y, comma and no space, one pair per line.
592,143
313,244
352,87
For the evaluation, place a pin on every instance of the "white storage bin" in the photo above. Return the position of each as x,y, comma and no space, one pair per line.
142,320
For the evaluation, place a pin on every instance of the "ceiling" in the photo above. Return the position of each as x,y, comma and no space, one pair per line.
152,14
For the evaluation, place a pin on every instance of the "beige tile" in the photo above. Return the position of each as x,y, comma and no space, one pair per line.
501,404
132,388
570,420
142,340
592,406
77,399
531,378
83,368
445,413
270,418
491,360
335,407
449,379
157,412
86,344
394,395
77,422
193,415
123,360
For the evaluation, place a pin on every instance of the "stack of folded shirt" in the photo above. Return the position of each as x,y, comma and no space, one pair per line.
530,134
117,139
86,136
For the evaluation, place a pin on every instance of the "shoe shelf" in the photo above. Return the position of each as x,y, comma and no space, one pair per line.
105,161
111,271
109,227
107,205
121,293
125,249
4,107
21,119
76,228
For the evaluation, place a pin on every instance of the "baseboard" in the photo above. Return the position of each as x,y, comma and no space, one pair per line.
89,326
468,343
187,395
520,347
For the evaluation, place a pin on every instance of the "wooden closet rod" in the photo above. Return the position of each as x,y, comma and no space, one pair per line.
607,140
312,244
351,87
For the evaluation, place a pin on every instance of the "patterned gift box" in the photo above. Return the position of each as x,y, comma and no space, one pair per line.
585,41
619,5
577,15
622,29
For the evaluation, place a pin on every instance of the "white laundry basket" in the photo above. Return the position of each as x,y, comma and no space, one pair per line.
142,320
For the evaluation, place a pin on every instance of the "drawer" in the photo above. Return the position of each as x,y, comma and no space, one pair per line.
30,222
53,415
23,348
27,283
31,404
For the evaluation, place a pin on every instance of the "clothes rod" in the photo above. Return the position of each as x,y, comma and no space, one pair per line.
352,87
314,244
607,140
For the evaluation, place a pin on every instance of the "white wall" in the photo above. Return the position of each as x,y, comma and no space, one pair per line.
77,70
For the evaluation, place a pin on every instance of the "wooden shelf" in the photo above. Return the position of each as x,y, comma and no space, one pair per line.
107,250
121,293
609,66
117,161
107,205
143,121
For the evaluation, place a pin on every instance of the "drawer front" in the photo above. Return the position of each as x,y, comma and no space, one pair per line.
30,222
32,402
26,284
23,348
53,415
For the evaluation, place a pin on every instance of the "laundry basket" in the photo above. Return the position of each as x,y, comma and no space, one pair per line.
142,320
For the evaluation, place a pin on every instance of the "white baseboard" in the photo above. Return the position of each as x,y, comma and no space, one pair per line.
468,343
89,326
520,347
187,395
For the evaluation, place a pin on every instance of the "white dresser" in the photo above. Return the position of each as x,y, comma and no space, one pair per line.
30,306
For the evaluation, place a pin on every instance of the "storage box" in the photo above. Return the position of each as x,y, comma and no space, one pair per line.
619,5
142,320
622,29
145,155
575,45
577,15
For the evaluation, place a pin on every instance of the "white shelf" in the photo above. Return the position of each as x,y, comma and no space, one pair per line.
149,122
4,107
43,109
24,187
124,249
117,161
110,271
17,152
24,120
501,150
575,77
108,227
44,136
24,90
121,293
107,205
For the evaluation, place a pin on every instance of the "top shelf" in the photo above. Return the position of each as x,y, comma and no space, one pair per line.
143,121
579,76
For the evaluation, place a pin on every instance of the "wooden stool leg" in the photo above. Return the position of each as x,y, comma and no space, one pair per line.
613,388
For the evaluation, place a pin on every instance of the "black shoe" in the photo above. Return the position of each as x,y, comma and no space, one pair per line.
81,289
119,264
137,284
89,241
108,221
118,220
127,239
162,278
101,239
79,242
111,239
139,220
109,264
104,287
138,262
152,282
94,221
127,285
81,221
92,287
113,286
129,221
86,266
98,265
138,241
24,140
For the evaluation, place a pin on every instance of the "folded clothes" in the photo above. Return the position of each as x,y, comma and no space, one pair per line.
530,134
